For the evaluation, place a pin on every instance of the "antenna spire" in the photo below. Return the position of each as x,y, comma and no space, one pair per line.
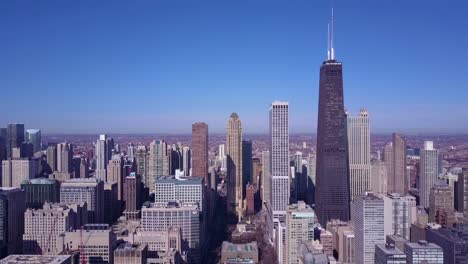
332,41
328,42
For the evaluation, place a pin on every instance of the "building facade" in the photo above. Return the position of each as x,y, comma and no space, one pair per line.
429,170
234,165
200,150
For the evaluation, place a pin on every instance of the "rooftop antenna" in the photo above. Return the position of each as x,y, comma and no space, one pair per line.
332,42
328,42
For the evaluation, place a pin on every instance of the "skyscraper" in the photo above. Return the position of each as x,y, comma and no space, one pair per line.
142,160
102,157
132,196
200,150
332,192
279,157
158,162
398,181
247,164
115,173
15,136
33,136
12,207
52,158
463,192
429,170
266,178
359,153
186,160
234,165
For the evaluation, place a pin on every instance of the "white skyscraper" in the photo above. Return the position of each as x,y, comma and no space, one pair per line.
279,159
359,153
367,216
429,170
158,162
102,157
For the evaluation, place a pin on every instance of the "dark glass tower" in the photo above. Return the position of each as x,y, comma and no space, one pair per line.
332,192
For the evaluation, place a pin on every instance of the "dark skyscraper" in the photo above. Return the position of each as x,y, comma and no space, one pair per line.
200,150
247,165
332,193
15,136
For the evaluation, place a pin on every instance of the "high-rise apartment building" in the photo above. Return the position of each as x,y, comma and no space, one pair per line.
200,150
132,196
16,171
423,253
279,157
429,170
367,216
300,219
130,152
234,165
441,204
89,191
102,157
15,136
115,173
332,192
158,162
33,136
142,163
359,153
12,207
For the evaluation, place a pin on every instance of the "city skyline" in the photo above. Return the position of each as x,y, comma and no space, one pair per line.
206,61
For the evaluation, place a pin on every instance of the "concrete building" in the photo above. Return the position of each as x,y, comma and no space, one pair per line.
98,243
256,172
51,154
395,160
343,239
158,162
379,177
16,171
43,226
250,199
359,153
90,191
133,196
41,190
200,150
389,254
102,157
400,213
127,253
234,165
186,160
441,201
12,207
367,216
186,216
423,253
115,173
64,157
184,190
397,241
142,164
429,170
300,219
159,242
279,157
454,243
239,253
266,179
35,259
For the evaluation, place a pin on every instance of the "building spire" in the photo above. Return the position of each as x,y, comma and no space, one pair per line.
332,41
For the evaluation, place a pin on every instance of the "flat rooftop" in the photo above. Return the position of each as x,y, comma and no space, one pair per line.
36,259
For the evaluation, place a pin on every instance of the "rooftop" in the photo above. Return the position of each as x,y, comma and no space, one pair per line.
181,181
248,247
35,259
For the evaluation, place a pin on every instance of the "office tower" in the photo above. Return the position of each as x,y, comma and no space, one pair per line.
115,174
454,243
256,169
64,157
332,192
247,164
3,145
441,205
297,160
266,178
12,207
111,206
88,190
279,157
463,192
232,253
234,165
429,170
186,157
26,150
423,253
250,199
400,213
39,191
359,153
346,240
84,168
15,171
200,150
367,215
186,216
98,245
102,157
51,154
300,220
130,152
378,177
142,164
176,162
33,136
158,162
222,157
132,196
127,253
15,136
43,227
186,190
397,181
389,254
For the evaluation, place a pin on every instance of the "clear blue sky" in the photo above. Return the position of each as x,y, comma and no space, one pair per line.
156,66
